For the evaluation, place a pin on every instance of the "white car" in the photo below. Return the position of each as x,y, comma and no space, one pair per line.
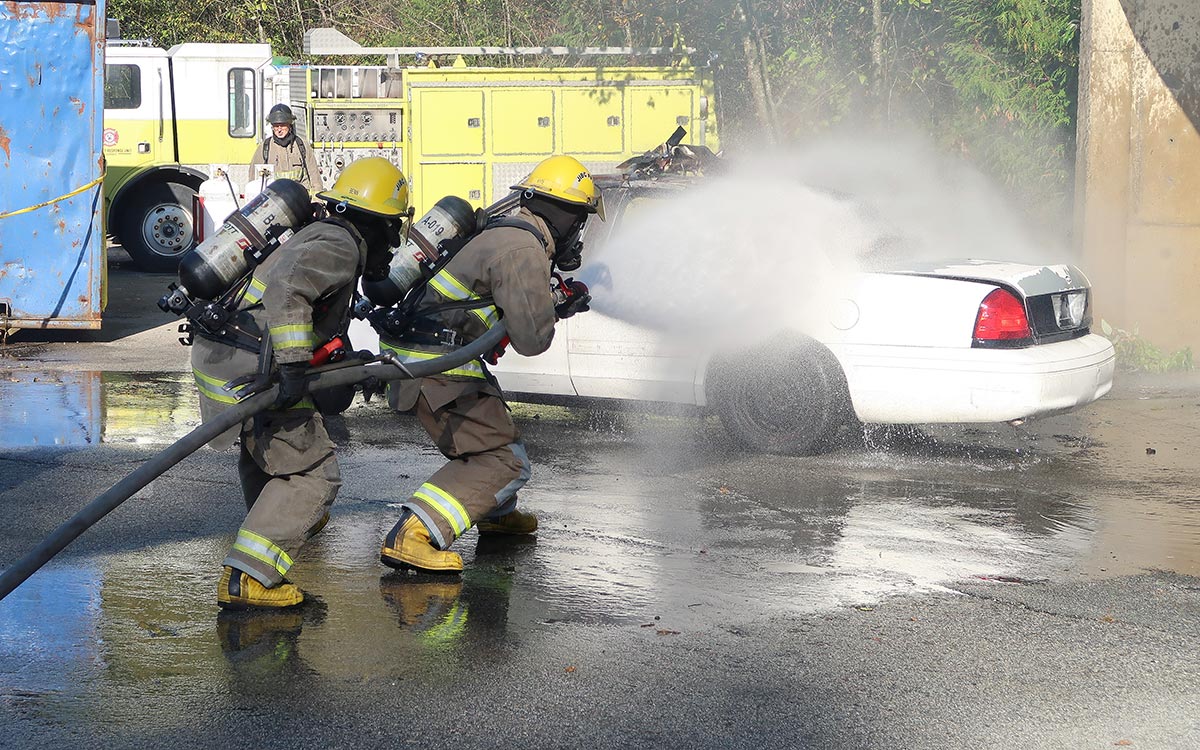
885,339
743,312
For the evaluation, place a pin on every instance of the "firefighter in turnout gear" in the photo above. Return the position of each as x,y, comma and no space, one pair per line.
297,299
504,271
289,154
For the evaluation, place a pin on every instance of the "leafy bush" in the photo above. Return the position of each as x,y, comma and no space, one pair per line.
1136,354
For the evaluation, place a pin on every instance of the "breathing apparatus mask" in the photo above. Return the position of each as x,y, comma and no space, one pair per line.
381,234
566,222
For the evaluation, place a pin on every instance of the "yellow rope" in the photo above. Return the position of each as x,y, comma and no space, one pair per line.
71,194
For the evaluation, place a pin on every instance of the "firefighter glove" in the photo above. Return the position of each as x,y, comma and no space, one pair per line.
293,384
577,299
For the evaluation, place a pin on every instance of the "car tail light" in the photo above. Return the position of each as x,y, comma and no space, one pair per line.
1001,320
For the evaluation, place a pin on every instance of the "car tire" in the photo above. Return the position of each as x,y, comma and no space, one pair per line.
155,225
785,397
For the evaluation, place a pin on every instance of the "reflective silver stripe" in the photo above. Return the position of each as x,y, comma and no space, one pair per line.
488,315
254,292
213,388
509,491
447,628
428,522
472,369
447,505
445,284
292,336
262,549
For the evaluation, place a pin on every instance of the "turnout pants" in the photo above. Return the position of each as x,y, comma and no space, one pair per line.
290,478
487,464
288,472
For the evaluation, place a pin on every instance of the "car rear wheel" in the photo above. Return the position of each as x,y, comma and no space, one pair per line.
786,397
155,225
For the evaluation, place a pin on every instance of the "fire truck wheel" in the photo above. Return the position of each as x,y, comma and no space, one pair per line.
155,226
785,396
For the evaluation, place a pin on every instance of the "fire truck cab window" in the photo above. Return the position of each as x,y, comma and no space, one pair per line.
122,87
241,103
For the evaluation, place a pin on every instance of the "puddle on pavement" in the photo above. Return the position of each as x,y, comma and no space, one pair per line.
662,530
85,408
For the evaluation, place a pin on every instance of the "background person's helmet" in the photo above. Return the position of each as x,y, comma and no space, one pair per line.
281,114
373,185
564,179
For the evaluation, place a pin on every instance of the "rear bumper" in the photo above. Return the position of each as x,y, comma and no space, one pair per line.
898,385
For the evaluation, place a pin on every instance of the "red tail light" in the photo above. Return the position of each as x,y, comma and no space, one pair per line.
1001,318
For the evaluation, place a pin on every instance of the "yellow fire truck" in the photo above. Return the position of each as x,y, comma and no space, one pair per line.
169,117
173,117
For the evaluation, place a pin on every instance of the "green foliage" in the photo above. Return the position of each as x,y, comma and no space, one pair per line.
993,80
1013,67
1136,354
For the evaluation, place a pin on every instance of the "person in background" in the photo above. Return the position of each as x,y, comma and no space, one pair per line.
287,153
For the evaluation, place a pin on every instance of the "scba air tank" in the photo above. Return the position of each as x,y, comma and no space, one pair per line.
211,268
450,218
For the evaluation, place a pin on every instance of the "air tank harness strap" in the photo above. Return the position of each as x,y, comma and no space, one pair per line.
240,331
509,221
428,332
415,295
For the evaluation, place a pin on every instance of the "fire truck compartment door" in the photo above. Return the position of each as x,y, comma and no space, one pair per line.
465,180
656,110
451,122
138,117
593,121
522,122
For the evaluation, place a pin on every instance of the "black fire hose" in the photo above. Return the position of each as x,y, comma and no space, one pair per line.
338,375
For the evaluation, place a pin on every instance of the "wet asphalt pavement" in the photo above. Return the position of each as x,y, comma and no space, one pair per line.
953,587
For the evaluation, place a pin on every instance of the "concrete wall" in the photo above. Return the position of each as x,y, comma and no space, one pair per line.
1138,174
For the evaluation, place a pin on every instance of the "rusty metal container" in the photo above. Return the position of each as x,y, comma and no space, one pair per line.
52,239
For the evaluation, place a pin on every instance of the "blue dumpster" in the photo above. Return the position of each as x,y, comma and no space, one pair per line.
52,243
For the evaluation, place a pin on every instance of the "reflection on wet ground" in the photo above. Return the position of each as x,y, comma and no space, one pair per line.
648,522
85,408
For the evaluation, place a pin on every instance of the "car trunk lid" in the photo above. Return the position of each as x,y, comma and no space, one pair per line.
1057,297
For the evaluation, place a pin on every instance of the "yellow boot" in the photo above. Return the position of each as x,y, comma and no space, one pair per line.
316,527
515,522
410,547
236,590
420,604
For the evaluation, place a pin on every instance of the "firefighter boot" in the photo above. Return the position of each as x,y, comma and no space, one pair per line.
408,546
513,522
236,590
316,527
423,605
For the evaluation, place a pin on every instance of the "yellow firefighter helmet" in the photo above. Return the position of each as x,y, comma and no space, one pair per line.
373,185
565,179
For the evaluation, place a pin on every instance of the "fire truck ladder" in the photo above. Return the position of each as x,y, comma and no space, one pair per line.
326,41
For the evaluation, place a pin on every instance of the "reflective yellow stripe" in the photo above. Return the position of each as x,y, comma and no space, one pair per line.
254,292
263,549
488,315
445,504
445,284
292,336
471,369
212,388
450,287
